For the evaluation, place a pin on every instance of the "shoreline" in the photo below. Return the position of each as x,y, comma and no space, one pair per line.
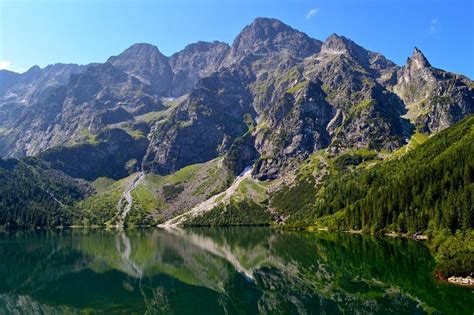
467,282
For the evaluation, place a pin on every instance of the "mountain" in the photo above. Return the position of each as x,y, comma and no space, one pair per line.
146,63
194,62
77,111
266,37
435,99
274,101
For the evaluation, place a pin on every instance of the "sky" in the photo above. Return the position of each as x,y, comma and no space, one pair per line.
37,32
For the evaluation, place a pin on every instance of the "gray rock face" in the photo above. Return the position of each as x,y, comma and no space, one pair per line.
265,37
194,62
115,155
72,112
435,99
148,64
203,125
276,95
171,76
293,128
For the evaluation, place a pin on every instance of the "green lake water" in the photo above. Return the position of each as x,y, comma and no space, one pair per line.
219,271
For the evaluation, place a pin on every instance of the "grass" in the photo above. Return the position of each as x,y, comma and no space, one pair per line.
100,208
415,141
134,133
102,184
152,116
85,136
185,174
145,199
253,190
213,175
297,87
362,106
354,157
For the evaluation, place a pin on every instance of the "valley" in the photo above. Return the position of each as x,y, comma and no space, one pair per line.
276,129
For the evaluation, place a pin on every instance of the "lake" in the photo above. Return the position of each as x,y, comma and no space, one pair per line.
219,271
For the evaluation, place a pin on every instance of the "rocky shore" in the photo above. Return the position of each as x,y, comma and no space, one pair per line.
465,281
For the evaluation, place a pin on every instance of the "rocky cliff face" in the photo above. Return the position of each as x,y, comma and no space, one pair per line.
148,64
275,93
74,112
194,62
203,125
435,99
265,37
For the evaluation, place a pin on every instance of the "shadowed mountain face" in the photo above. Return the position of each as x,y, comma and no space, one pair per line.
284,92
219,271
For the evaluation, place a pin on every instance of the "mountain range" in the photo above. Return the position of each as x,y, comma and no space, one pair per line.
233,134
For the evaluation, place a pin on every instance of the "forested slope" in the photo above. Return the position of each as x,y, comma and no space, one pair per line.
430,187
32,194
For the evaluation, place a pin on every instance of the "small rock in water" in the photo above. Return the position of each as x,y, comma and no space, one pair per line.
463,281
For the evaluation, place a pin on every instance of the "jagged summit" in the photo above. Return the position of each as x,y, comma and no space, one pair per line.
266,36
419,58
201,46
336,44
147,63
269,24
138,48
307,94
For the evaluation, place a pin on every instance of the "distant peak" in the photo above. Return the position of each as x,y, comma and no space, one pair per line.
143,47
33,69
136,53
268,24
266,20
420,59
337,44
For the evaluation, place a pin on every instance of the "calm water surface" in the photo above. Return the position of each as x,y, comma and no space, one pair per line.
219,271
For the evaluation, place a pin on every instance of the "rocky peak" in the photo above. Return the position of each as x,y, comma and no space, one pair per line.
32,73
336,44
435,99
147,63
265,36
417,68
138,51
418,60
339,47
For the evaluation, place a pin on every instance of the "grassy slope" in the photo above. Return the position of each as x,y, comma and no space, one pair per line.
156,198
248,206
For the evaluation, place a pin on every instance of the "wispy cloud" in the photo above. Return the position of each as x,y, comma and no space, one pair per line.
311,13
435,26
5,64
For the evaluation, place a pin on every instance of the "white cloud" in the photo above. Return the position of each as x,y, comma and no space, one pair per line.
435,26
311,13
5,64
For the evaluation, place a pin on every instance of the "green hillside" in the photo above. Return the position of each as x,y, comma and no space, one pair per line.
32,194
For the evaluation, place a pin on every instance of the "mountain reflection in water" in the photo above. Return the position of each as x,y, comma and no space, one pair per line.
218,271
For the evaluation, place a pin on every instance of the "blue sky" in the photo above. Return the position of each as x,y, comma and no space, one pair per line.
44,32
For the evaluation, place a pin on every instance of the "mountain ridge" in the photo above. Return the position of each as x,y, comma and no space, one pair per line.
270,101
